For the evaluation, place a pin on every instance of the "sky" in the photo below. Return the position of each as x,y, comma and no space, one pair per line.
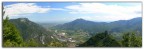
69,11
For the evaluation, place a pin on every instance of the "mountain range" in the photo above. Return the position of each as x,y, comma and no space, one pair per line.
75,29
96,27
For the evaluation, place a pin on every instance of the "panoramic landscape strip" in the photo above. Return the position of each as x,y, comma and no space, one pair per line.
72,24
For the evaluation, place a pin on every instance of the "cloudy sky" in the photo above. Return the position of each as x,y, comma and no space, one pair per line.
68,11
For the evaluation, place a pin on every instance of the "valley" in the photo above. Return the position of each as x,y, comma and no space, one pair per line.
77,33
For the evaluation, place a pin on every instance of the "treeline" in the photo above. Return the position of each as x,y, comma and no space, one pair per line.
106,40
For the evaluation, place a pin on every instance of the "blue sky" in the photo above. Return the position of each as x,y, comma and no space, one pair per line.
68,11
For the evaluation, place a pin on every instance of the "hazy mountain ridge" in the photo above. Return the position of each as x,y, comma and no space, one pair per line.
94,27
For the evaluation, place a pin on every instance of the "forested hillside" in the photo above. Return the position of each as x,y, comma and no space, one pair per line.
105,39
31,30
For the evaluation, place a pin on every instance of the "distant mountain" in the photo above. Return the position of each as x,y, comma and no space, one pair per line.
95,27
127,25
84,25
29,30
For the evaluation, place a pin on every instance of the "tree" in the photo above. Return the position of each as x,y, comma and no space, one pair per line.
126,40
11,35
136,40
32,43
131,40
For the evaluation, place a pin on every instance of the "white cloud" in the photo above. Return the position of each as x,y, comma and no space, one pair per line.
24,8
57,9
111,12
